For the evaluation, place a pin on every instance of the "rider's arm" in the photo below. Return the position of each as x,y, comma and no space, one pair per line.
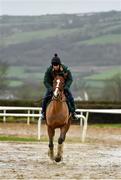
69,79
47,80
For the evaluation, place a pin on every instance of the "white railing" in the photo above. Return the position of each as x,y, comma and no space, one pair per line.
30,112
85,118
108,111
6,111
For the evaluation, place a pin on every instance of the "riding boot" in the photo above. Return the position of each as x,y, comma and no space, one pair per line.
71,104
43,116
74,116
73,111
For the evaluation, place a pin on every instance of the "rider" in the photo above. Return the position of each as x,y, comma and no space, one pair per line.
57,68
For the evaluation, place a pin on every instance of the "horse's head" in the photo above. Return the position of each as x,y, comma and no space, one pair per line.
58,86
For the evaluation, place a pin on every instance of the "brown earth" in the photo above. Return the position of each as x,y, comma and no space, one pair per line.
98,158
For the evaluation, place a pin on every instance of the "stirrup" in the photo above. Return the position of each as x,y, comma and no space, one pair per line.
43,116
74,116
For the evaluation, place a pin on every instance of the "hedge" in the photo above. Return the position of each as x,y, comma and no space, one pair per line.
79,104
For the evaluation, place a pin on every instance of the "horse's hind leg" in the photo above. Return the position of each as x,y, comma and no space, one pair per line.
51,133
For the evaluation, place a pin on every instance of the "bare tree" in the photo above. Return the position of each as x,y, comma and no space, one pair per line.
3,73
112,89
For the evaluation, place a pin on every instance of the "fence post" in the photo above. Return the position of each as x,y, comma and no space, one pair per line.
28,118
81,123
4,117
39,128
33,116
85,127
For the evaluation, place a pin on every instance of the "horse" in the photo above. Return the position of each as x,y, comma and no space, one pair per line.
57,116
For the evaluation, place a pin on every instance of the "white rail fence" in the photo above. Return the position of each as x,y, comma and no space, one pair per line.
33,112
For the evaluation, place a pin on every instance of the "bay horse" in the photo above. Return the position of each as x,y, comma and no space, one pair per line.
57,116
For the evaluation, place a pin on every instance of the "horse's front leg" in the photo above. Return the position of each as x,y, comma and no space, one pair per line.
61,139
51,133
59,155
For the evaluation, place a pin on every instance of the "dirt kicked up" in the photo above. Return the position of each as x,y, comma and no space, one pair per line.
98,158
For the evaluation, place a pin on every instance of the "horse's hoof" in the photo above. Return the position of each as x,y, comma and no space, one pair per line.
58,159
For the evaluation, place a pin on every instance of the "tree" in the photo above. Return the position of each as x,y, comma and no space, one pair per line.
3,73
30,89
112,89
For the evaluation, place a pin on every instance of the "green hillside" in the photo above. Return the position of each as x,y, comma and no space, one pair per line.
105,75
86,42
18,75
102,40
31,40
24,37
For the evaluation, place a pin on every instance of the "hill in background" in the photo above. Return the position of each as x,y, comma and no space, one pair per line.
89,43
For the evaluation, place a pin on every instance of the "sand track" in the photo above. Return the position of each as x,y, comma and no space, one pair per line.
80,161
98,158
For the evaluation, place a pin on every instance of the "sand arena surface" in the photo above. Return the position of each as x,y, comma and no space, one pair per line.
98,158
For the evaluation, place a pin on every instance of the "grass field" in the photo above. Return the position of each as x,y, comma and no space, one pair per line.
17,75
16,139
23,37
106,39
16,71
107,125
44,138
106,75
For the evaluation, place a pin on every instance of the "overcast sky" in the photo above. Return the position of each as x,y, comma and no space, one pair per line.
39,7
